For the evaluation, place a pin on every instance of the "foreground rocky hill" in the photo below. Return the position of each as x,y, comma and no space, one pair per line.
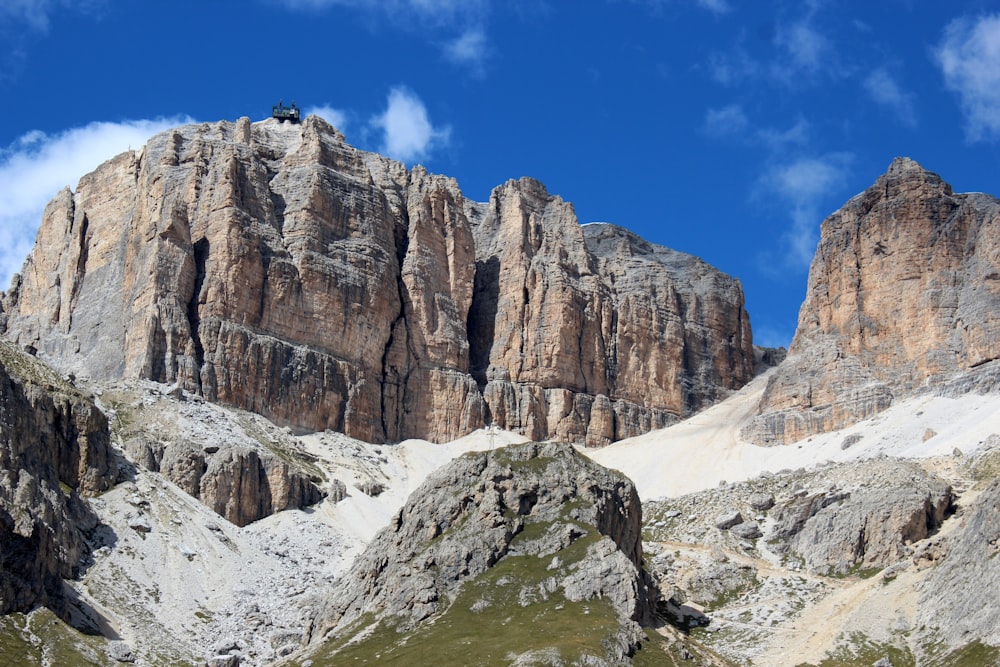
903,292
275,268
500,556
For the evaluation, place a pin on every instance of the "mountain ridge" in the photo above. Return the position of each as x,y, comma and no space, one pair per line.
274,267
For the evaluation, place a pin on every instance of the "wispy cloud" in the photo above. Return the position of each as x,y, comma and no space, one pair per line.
969,58
715,6
469,48
733,67
37,165
458,26
799,54
887,93
407,132
804,185
731,122
35,14
727,121
805,55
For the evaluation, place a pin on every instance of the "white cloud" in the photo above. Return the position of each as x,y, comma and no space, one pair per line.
804,185
806,52
886,92
732,122
33,13
334,117
36,166
776,140
469,48
969,57
467,18
438,10
733,67
715,6
727,121
407,131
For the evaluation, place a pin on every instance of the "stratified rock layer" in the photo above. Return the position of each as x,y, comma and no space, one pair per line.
904,290
54,446
275,268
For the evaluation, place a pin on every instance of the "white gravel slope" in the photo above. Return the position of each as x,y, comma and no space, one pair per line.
706,449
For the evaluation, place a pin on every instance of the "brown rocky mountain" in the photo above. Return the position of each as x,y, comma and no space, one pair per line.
275,268
904,291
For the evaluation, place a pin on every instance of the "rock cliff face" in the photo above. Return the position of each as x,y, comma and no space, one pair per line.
904,290
274,267
240,466
873,526
542,511
54,446
957,597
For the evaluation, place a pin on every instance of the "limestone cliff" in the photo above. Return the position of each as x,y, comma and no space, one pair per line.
275,268
54,446
904,290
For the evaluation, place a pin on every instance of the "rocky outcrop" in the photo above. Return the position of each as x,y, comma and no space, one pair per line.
904,290
54,448
869,527
241,467
275,268
958,597
529,504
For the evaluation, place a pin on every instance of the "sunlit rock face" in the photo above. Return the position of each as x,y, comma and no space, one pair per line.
904,289
273,267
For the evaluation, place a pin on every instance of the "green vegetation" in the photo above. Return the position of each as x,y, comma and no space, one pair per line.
508,611
41,638
975,654
863,652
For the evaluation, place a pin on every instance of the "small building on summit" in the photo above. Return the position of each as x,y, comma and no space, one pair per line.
283,113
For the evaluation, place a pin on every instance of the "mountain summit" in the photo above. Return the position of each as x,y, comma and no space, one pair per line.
275,268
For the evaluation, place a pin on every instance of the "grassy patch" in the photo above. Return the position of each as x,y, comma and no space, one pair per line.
975,654
860,651
506,612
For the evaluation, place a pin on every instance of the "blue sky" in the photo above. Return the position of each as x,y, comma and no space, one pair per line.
725,129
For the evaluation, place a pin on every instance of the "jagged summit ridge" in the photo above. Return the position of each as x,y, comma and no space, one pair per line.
276,268
904,290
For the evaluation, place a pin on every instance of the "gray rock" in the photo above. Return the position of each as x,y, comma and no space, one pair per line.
120,651
748,530
371,488
336,491
870,527
958,598
851,440
761,501
230,660
140,524
728,519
